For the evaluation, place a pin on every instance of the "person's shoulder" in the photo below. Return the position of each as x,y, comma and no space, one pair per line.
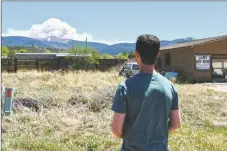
129,80
125,84
163,79
122,85
173,87
167,82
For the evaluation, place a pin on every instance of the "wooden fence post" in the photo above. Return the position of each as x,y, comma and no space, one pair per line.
8,65
58,61
15,64
37,64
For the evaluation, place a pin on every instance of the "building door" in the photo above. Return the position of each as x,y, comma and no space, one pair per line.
219,67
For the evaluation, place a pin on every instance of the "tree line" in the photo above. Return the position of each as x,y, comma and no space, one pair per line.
10,52
90,59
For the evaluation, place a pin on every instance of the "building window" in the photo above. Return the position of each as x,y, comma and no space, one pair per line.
167,59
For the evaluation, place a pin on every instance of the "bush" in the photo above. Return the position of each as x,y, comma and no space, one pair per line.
84,62
5,51
123,55
107,56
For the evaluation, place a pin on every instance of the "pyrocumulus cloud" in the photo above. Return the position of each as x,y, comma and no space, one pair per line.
54,27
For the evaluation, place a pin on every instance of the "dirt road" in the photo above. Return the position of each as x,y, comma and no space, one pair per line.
220,87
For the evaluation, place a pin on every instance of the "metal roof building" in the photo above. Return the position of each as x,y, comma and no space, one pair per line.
46,55
197,60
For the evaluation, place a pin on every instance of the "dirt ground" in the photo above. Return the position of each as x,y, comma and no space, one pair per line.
220,87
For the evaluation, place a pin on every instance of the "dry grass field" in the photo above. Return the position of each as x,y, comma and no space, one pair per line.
72,112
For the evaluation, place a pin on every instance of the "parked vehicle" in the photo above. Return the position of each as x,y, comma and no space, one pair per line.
129,69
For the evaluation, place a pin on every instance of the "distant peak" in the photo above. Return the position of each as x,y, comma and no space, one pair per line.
189,38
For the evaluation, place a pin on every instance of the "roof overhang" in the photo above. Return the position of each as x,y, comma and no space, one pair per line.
192,44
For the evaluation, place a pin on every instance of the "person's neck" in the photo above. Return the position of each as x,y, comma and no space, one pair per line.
147,69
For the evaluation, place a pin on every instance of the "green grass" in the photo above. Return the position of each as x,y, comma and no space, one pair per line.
76,115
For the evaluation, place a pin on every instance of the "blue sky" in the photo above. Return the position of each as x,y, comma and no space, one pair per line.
111,22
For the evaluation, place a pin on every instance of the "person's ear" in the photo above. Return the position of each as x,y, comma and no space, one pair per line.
137,57
158,54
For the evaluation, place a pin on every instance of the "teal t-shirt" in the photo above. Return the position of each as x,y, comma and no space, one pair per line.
147,100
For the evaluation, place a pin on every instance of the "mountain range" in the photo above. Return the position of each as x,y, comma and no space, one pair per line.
54,42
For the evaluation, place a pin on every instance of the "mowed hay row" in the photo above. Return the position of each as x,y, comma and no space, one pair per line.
75,113
57,88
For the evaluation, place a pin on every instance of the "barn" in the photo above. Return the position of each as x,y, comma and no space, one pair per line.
203,60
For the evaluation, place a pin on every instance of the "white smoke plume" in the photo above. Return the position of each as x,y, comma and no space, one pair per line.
54,27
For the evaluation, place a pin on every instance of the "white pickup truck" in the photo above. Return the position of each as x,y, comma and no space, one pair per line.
129,69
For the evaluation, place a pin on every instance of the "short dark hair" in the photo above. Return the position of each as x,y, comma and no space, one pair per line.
148,47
